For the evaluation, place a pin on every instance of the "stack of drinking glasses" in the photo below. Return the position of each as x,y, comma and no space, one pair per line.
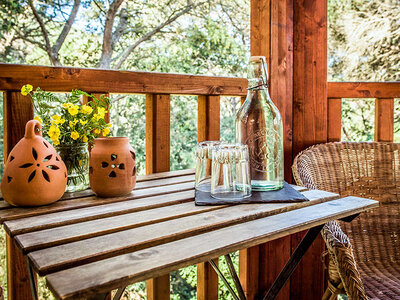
223,170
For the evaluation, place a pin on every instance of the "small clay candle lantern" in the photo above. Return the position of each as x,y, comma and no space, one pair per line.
34,173
112,167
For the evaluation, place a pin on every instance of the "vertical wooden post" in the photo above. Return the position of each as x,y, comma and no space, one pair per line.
97,95
272,37
310,126
17,110
384,119
208,118
208,128
260,44
249,272
334,119
158,111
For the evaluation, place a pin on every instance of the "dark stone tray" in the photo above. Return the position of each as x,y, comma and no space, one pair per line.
285,195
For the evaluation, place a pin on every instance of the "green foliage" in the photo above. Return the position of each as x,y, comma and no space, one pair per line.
358,119
396,135
183,132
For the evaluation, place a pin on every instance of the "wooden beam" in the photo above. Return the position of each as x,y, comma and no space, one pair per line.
310,125
208,118
249,272
207,281
61,79
158,288
97,95
334,119
260,45
17,111
277,20
158,123
260,28
384,119
363,89
208,129
158,133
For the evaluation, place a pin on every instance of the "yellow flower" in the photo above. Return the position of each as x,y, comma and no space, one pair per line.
97,131
37,118
86,109
73,110
97,117
26,89
106,131
73,123
85,139
56,142
109,125
74,135
67,105
54,132
58,120
83,122
101,111
80,162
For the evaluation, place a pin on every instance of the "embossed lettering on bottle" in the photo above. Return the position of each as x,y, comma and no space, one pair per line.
259,125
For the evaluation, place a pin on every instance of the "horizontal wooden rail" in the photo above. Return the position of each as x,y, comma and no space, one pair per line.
363,89
384,94
61,79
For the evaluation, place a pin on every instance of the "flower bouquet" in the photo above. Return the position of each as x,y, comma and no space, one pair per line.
71,126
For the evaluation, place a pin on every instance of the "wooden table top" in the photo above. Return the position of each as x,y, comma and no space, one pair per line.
87,245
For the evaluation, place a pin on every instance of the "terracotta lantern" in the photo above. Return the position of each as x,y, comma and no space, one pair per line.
112,167
34,173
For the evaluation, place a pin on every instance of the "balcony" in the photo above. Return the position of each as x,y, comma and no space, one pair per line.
294,41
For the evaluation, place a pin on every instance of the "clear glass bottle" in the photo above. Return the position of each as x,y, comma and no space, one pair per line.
259,125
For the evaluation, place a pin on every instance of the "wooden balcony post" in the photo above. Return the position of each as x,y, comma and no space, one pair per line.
310,125
97,95
17,111
158,111
208,128
334,119
384,119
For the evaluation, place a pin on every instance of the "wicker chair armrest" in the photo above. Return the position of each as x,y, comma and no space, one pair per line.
341,252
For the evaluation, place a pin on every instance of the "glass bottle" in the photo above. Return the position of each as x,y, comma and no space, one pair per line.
259,125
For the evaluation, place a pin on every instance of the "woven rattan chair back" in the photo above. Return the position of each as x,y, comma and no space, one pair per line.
370,170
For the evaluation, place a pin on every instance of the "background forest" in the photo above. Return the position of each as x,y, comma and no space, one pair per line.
197,37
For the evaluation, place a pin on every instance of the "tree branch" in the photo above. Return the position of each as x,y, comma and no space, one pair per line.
41,24
105,59
148,35
123,22
67,27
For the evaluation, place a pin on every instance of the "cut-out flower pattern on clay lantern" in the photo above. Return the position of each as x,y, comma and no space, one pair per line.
34,173
112,167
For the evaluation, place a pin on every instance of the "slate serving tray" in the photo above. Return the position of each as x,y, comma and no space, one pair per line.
285,195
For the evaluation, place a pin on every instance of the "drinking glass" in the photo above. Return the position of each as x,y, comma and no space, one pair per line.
203,165
230,176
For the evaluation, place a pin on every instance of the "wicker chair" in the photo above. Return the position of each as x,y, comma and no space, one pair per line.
370,170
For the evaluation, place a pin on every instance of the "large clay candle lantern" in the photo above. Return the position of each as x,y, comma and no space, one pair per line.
34,173
112,167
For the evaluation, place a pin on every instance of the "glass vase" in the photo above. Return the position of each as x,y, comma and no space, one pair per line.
76,159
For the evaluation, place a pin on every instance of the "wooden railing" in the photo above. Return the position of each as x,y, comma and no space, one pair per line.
158,88
384,94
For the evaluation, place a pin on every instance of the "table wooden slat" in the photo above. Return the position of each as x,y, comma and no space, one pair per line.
65,234
83,251
124,269
143,181
56,219
16,213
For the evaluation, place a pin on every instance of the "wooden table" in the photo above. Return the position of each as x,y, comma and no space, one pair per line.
88,246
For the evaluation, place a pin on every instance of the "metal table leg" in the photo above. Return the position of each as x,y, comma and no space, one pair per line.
235,278
293,262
